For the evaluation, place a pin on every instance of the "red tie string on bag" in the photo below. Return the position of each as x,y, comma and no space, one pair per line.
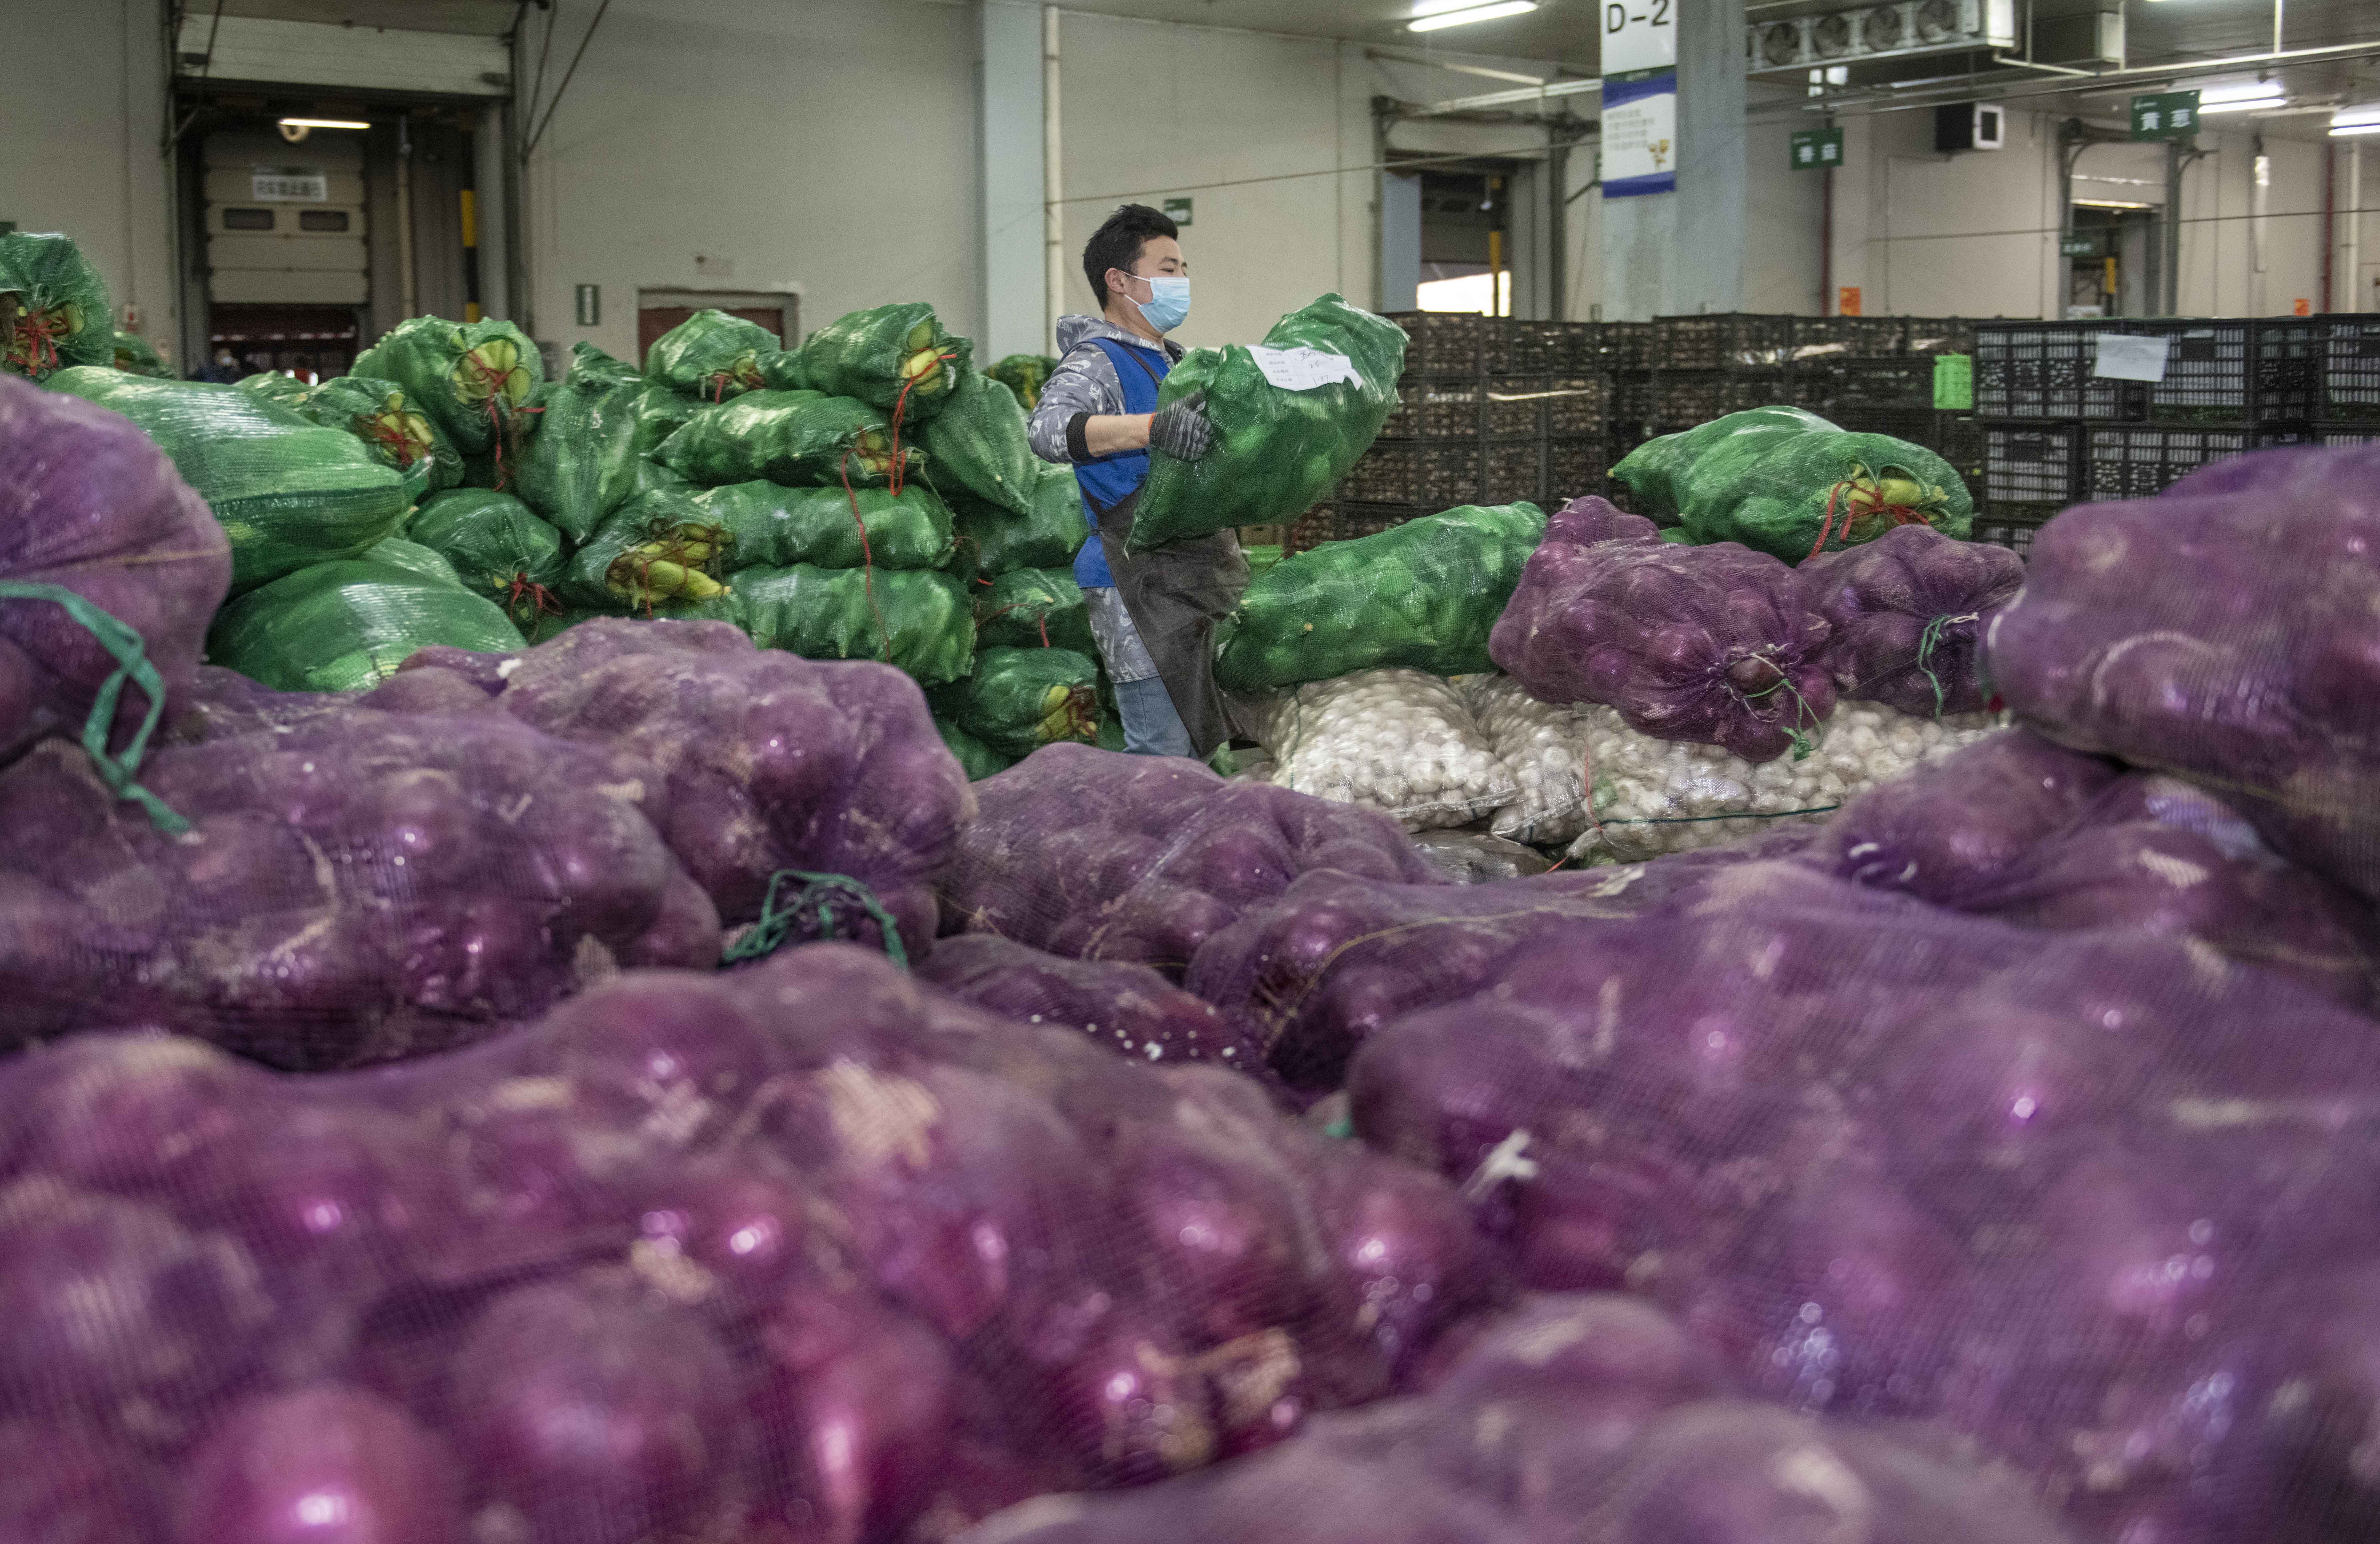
540,603
1902,514
867,556
33,342
900,406
488,377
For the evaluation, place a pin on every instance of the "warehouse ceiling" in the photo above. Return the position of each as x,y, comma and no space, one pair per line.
486,18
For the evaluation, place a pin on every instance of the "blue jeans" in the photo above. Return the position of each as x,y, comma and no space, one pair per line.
1151,726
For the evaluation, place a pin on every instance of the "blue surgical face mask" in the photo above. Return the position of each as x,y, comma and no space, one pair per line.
1168,305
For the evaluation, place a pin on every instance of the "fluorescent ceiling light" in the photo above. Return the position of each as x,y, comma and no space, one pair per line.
1431,14
2241,98
324,123
2111,203
2348,121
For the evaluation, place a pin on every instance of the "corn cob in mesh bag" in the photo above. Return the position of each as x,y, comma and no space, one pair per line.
798,438
53,306
346,626
477,381
376,413
915,620
288,492
1023,375
895,359
710,355
414,557
1277,449
662,546
1017,700
275,386
979,760
1425,595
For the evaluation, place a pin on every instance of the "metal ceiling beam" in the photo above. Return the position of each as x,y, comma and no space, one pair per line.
1507,99
1884,99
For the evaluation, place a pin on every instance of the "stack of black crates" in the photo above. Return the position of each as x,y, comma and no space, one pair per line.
1489,410
2056,432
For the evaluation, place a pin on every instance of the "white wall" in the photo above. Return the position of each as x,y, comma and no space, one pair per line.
827,144
81,118
1153,109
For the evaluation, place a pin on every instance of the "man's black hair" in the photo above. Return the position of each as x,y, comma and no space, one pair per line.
1117,244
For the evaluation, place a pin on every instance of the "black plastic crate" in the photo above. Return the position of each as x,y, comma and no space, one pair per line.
2042,369
2015,534
1577,406
2037,464
1512,469
2206,373
1849,337
1435,407
1626,345
1632,398
1573,468
1442,342
1581,347
2331,436
1514,408
1730,341
2317,369
1814,384
1410,473
1955,437
1684,398
1903,382
1516,346
2144,462
1932,335
1356,520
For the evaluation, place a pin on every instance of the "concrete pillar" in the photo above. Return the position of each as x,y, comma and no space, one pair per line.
1672,253
1400,240
1008,149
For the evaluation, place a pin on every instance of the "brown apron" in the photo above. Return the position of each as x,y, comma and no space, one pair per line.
1175,594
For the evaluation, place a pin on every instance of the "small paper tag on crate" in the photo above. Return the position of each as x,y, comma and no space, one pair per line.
2123,357
1302,369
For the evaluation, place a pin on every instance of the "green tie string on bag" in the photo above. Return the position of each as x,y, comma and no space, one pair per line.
817,901
124,644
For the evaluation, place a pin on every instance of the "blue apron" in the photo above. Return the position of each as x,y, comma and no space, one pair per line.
1112,479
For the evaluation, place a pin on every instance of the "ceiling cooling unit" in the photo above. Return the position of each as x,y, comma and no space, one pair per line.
1902,31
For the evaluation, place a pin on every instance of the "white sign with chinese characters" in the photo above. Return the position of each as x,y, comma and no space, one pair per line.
289,185
1640,136
1639,35
1302,369
2124,356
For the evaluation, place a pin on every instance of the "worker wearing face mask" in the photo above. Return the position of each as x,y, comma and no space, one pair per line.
1151,612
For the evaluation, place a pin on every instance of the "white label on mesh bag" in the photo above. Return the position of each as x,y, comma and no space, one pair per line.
1302,369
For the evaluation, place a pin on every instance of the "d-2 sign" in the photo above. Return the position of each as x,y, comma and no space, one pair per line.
1639,35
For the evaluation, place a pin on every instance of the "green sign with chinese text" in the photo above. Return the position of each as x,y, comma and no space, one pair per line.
1817,149
2165,116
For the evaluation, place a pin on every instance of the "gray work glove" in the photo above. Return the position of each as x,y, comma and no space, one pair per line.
1181,430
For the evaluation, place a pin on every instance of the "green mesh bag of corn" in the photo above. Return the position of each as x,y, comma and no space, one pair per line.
1651,469
412,557
915,620
1023,375
713,532
1034,607
1793,485
499,548
289,493
54,309
590,367
134,354
596,429
798,438
273,386
1021,699
346,626
979,760
376,413
711,355
1291,415
895,359
1425,593
993,541
476,380
976,445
